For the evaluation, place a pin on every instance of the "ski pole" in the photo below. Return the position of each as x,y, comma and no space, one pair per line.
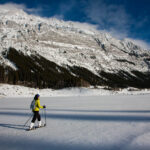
45,116
28,120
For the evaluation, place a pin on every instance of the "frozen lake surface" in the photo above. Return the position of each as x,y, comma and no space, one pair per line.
78,123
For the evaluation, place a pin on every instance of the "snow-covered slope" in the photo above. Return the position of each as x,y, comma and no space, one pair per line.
69,44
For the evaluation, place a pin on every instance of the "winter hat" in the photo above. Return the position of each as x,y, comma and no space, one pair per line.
36,96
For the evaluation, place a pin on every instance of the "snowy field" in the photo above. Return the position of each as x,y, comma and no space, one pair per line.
116,122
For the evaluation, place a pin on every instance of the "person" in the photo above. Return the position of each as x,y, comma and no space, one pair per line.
35,110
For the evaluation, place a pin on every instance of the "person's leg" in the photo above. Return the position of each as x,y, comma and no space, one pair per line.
33,120
38,116
39,120
34,117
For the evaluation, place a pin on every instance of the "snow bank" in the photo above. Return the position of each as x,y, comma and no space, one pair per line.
7,90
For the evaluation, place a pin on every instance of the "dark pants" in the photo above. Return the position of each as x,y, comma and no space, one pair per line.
36,115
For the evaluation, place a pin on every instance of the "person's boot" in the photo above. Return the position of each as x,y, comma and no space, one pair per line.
39,124
31,126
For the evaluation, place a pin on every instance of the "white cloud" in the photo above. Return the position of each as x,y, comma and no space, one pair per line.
109,17
140,43
59,17
14,6
63,9
117,33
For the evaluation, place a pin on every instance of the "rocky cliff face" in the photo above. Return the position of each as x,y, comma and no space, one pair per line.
75,54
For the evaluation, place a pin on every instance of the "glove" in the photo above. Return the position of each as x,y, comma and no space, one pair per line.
44,106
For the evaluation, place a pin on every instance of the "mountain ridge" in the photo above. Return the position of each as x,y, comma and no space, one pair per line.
73,45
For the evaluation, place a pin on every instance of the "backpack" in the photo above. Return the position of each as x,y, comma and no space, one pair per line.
32,105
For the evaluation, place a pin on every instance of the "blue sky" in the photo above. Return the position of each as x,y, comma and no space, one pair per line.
121,18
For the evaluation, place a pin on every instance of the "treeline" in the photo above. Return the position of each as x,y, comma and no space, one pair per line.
123,79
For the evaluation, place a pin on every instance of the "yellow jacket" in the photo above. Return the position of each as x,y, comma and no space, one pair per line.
37,105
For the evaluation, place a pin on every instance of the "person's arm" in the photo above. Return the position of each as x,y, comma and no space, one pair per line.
38,104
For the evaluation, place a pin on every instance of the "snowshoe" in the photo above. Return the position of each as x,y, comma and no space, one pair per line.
30,129
40,126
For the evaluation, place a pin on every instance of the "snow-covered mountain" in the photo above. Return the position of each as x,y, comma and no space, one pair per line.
78,51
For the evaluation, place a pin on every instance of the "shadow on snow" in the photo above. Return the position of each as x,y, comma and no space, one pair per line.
102,111
13,126
92,117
